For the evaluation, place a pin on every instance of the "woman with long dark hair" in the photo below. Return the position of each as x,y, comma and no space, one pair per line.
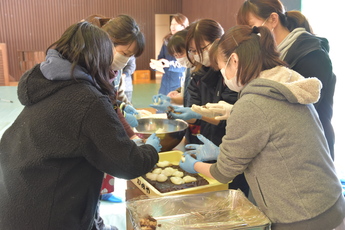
54,156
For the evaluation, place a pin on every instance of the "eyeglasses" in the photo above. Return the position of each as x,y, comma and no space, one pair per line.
202,49
194,52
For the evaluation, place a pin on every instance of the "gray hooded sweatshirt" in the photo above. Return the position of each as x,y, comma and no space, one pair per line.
275,137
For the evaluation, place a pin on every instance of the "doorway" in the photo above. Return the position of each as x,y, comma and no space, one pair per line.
162,28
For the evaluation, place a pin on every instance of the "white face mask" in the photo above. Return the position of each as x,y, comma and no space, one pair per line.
232,83
184,62
119,62
205,58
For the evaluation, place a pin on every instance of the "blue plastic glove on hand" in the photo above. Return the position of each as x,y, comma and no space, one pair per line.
131,119
131,110
155,142
206,152
184,113
188,164
161,102
160,99
162,107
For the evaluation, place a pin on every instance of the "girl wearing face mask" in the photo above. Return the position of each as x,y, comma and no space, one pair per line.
177,48
300,48
266,136
180,96
207,86
128,41
171,79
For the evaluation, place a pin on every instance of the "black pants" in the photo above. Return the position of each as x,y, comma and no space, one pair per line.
240,182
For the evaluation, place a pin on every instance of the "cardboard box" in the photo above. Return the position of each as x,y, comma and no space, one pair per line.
141,76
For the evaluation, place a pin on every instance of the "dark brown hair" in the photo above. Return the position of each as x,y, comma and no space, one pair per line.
213,54
203,30
181,20
255,48
97,20
177,43
264,8
88,46
123,30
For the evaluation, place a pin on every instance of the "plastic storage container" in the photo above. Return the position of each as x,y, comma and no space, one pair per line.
227,209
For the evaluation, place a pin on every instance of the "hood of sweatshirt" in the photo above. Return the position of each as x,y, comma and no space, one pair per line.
282,83
49,77
55,67
302,46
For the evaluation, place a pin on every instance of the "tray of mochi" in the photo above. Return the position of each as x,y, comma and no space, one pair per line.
168,178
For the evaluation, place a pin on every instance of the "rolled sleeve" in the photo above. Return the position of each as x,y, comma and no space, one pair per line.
218,175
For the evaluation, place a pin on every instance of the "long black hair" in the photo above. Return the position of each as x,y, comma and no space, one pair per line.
88,46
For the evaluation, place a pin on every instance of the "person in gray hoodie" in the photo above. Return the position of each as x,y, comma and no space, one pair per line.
54,156
274,136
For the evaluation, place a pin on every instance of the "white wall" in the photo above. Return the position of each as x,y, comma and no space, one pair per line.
162,28
326,21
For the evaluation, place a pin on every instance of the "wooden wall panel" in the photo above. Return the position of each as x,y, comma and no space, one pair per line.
222,11
34,25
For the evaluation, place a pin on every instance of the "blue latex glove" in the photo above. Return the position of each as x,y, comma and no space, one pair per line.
162,107
161,102
154,141
188,164
184,113
131,110
131,119
206,152
160,99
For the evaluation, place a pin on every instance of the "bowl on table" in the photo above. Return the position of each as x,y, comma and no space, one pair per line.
170,132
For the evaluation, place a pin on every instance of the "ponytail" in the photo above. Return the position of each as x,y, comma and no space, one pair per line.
255,48
295,19
269,52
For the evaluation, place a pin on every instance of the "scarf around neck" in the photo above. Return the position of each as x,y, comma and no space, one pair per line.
285,45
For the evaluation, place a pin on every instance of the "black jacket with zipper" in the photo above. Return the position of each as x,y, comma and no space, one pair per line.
207,86
309,56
